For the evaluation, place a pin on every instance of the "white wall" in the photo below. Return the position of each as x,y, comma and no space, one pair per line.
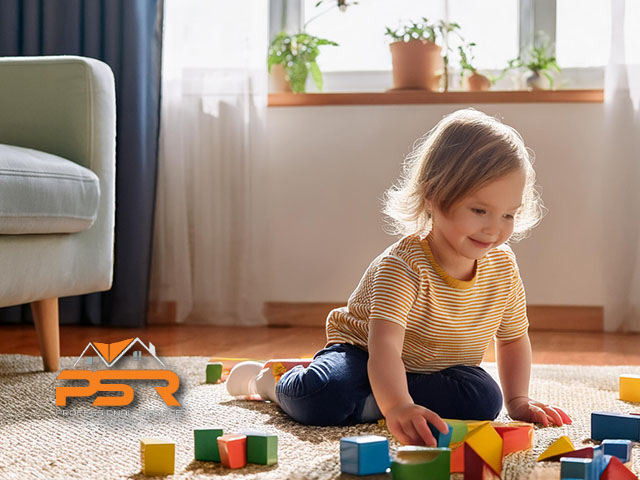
329,167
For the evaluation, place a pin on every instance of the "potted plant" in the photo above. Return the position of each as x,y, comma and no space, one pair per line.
540,61
475,82
296,55
415,56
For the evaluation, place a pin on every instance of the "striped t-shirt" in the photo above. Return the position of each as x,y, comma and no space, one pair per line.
447,321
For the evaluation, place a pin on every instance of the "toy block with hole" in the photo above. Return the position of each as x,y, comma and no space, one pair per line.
205,442
618,448
157,456
475,468
485,441
615,470
415,463
607,425
214,372
262,448
233,450
629,388
516,436
364,455
560,446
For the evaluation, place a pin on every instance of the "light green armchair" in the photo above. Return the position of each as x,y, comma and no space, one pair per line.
57,185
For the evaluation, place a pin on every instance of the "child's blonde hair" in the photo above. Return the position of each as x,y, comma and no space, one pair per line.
463,152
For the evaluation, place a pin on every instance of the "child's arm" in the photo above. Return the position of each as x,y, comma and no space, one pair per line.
406,420
514,368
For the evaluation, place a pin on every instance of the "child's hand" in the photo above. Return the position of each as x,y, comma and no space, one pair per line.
527,410
408,423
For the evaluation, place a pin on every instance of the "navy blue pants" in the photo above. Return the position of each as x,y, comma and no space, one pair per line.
335,390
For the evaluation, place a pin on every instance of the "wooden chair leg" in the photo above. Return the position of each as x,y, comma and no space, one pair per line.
45,318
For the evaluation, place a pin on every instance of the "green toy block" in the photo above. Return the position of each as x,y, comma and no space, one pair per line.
416,463
262,448
214,371
206,444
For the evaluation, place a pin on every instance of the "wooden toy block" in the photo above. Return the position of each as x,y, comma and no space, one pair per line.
205,442
618,448
629,388
617,471
457,457
576,468
415,463
157,456
515,437
262,448
364,455
457,430
560,446
233,450
607,425
475,468
214,372
485,441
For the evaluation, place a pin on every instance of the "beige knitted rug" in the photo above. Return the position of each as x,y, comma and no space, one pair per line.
40,440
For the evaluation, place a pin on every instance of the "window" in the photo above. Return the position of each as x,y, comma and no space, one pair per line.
501,29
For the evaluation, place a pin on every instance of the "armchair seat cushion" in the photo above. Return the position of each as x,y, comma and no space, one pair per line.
44,193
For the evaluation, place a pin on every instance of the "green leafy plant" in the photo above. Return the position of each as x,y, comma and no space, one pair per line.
414,31
298,53
538,59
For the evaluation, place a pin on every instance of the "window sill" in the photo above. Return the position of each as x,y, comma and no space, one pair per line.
424,97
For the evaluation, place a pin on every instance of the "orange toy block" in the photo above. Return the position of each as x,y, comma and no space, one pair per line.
617,471
516,437
475,467
485,441
457,457
560,446
233,450
629,388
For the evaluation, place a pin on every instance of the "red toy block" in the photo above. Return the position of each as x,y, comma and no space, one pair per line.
586,452
515,437
475,468
617,471
233,450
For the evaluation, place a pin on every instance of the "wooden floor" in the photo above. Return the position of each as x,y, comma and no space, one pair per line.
569,348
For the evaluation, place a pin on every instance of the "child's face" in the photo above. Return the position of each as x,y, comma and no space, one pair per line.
480,221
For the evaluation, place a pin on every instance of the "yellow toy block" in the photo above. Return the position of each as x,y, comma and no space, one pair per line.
630,388
487,443
560,446
157,456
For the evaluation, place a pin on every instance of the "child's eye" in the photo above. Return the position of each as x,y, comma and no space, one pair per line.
479,211
508,216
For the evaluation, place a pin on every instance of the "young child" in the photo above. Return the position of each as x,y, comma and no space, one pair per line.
409,343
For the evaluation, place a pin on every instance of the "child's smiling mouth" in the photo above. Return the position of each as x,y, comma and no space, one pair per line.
480,244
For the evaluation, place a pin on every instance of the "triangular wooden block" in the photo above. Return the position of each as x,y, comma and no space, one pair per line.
586,452
617,471
486,442
560,446
475,467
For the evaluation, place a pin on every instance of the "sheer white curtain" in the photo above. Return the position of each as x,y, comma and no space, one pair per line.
208,251
621,174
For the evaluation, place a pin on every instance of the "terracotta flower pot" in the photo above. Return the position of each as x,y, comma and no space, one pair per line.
478,83
417,65
278,81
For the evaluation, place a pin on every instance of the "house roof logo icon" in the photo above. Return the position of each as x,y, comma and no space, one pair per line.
110,353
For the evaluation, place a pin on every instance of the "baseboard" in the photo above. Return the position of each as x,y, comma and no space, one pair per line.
541,317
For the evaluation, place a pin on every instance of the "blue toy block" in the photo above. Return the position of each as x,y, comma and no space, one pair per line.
606,425
572,468
364,455
618,448
584,468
